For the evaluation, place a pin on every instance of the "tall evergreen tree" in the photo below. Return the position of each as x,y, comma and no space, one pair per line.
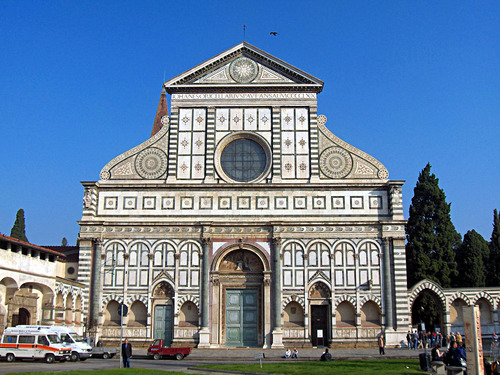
493,266
471,257
431,236
64,242
18,230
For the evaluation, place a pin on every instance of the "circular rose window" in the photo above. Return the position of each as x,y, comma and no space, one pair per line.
243,157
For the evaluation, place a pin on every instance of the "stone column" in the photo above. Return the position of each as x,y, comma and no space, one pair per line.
205,303
386,258
95,285
277,331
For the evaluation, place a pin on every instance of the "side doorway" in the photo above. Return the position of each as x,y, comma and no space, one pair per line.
163,323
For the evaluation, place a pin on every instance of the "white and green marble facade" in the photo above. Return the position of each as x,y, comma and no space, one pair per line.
321,213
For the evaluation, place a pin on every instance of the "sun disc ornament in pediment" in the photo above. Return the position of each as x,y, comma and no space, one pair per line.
243,70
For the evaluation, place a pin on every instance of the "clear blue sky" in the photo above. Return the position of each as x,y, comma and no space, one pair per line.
408,82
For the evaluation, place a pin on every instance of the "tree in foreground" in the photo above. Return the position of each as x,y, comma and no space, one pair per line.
472,256
493,266
431,236
18,230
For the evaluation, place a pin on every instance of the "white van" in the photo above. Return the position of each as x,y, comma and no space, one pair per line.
33,344
80,349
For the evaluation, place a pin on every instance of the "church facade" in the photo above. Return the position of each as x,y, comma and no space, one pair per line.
243,221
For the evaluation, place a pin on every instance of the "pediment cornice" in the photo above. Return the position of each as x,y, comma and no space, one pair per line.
291,78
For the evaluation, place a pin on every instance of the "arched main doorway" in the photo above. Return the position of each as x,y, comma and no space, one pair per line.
239,297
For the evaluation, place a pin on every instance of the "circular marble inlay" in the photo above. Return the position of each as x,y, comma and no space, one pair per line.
243,70
335,162
151,163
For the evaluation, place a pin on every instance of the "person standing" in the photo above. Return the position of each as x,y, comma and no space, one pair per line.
126,353
381,344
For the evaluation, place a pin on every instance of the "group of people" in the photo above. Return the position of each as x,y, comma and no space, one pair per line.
423,340
291,354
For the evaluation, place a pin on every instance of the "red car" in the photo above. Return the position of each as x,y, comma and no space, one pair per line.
157,350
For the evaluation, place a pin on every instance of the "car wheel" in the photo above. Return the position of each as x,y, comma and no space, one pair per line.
105,356
74,357
156,356
10,357
179,356
49,358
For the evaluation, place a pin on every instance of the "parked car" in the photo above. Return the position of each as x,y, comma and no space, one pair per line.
104,352
159,350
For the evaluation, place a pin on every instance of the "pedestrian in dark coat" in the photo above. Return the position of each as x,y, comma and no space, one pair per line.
126,353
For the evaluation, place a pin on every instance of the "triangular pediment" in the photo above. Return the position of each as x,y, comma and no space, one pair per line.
244,66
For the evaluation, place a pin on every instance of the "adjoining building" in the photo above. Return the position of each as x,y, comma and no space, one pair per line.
38,285
243,221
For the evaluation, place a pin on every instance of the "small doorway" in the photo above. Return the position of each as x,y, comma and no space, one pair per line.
21,318
163,323
319,325
241,317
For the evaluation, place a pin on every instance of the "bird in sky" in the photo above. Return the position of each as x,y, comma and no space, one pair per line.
273,33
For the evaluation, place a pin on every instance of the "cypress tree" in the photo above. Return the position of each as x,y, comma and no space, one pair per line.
64,242
493,267
18,230
431,236
471,257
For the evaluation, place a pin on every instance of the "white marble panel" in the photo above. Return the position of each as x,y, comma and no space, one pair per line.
184,258
287,277
375,257
288,143
183,278
351,278
363,261
350,258
287,258
144,278
236,120
265,119
132,277
184,143
251,119
198,143
302,143
363,276
325,258
195,277
376,277
302,166
222,119
302,119
184,167
195,258
198,167
288,166
299,275
216,246
107,278
185,119
170,259
119,277
339,277
265,246
287,119
199,119
338,258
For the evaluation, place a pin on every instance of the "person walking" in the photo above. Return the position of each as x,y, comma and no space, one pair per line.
126,353
381,344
